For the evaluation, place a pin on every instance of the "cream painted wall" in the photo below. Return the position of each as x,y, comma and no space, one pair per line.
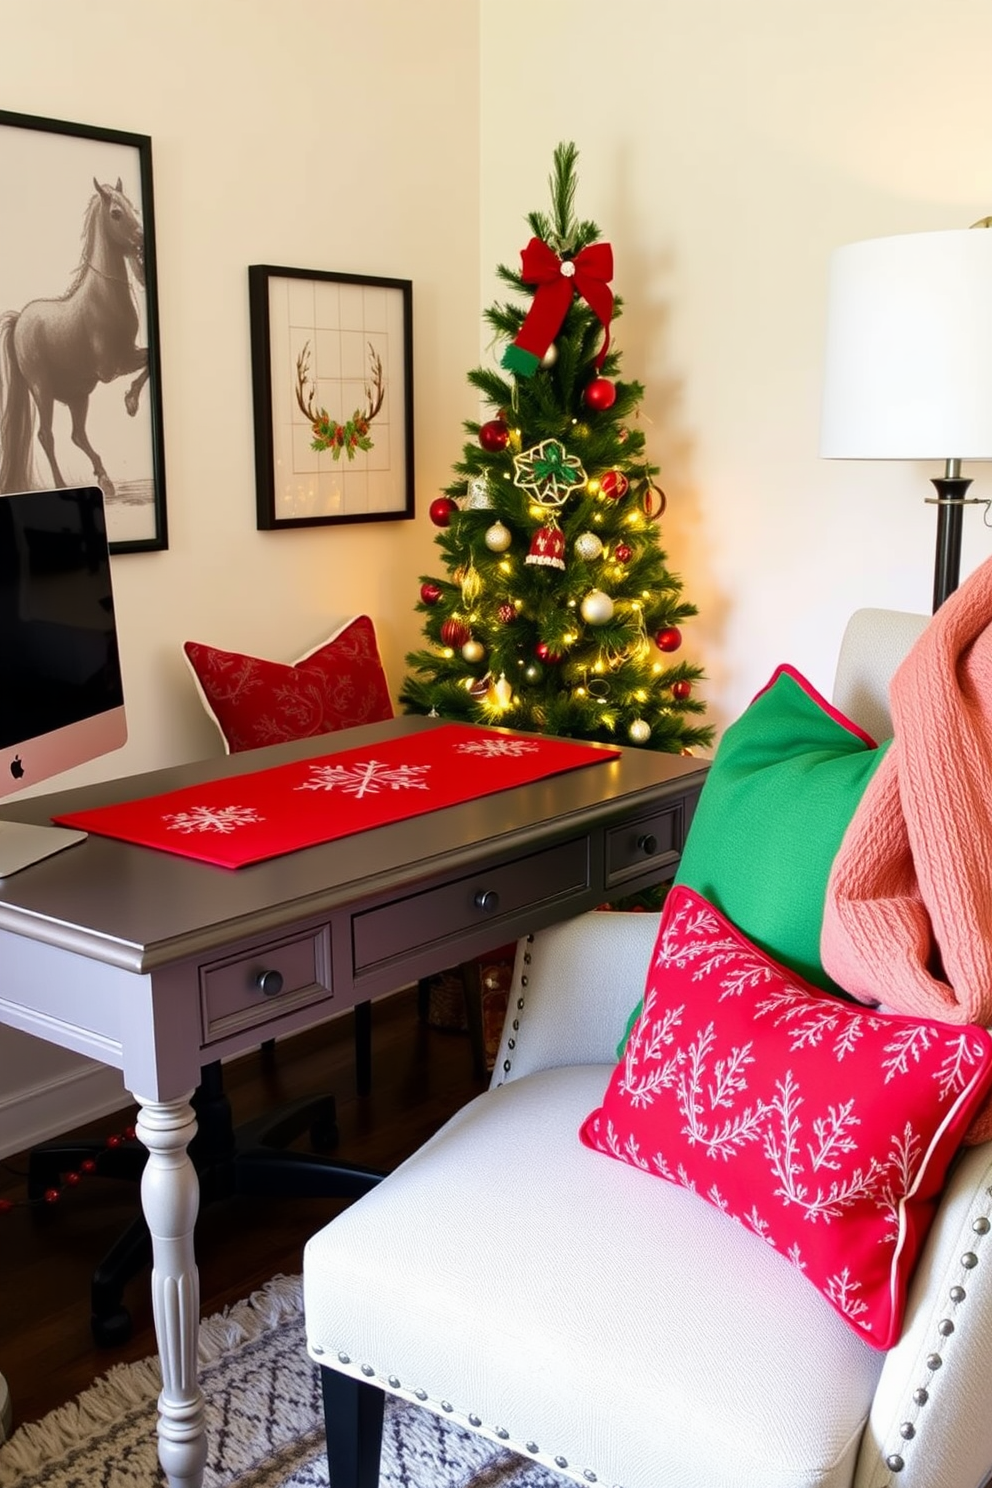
726,149
340,137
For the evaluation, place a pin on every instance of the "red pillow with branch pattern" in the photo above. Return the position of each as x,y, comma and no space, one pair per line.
253,702
824,1127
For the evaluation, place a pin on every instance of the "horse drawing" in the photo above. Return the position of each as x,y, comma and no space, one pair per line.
56,351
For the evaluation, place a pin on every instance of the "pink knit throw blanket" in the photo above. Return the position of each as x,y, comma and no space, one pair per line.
908,916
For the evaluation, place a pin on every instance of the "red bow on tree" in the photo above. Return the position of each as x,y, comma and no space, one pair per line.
587,274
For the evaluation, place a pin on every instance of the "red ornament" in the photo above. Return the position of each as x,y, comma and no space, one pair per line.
494,436
614,484
681,690
507,613
600,394
653,501
623,552
547,548
442,510
430,593
669,639
454,633
545,653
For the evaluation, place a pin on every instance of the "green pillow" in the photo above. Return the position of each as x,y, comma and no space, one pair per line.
785,782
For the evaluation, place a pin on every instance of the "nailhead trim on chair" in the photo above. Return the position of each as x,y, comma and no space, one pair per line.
368,1372
512,1043
908,1430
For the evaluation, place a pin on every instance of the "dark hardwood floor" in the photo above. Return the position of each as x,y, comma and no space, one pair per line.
47,1253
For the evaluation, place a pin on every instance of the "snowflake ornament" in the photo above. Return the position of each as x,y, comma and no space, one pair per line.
549,473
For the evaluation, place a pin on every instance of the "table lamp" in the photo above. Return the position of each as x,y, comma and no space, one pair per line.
909,365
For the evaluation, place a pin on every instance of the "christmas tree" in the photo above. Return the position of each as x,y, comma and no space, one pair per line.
557,614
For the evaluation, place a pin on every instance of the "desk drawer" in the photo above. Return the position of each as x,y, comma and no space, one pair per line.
652,841
276,977
488,897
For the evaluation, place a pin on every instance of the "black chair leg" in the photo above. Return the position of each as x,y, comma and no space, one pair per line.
353,1411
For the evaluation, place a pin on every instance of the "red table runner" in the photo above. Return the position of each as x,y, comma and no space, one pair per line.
245,819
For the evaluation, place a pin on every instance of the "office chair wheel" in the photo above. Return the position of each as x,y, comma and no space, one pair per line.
112,1329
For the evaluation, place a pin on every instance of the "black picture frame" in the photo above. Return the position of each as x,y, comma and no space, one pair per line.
343,343
66,184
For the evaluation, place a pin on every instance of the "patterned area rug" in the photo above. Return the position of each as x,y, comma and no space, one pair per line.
264,1421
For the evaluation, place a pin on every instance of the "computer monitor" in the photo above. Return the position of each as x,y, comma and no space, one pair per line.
61,695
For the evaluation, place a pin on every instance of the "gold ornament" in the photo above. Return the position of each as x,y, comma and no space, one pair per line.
597,607
498,538
471,584
588,546
639,731
473,650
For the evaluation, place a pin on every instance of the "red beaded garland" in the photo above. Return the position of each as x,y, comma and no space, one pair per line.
600,394
494,436
441,511
669,639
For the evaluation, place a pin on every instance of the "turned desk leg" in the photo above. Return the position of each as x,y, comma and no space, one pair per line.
170,1194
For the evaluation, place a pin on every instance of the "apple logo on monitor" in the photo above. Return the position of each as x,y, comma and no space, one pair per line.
61,693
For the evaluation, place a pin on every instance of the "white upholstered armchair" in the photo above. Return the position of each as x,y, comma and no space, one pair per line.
612,1325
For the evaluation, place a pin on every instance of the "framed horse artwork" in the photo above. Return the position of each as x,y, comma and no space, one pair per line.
80,384
332,376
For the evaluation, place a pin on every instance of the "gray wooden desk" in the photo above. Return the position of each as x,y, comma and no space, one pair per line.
157,965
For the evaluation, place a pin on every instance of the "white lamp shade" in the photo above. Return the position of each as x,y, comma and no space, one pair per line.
909,349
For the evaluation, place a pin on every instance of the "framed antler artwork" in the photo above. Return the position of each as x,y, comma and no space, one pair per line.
80,387
333,397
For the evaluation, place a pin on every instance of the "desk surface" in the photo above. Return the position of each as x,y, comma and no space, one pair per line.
140,909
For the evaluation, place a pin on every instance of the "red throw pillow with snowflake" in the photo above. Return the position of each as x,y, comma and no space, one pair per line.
824,1127
254,702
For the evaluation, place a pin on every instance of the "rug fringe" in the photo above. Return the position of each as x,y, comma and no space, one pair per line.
128,1387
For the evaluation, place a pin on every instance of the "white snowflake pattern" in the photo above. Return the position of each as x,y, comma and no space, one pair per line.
222,819
498,748
367,779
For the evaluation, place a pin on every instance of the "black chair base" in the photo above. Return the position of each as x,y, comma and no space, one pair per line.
252,1160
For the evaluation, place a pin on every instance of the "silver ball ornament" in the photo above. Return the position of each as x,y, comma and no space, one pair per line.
597,607
473,650
498,538
588,546
639,731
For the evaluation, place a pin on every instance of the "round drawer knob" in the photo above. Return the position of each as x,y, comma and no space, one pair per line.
487,900
269,983
648,844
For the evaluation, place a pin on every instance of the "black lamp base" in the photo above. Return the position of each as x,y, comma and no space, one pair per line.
951,492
